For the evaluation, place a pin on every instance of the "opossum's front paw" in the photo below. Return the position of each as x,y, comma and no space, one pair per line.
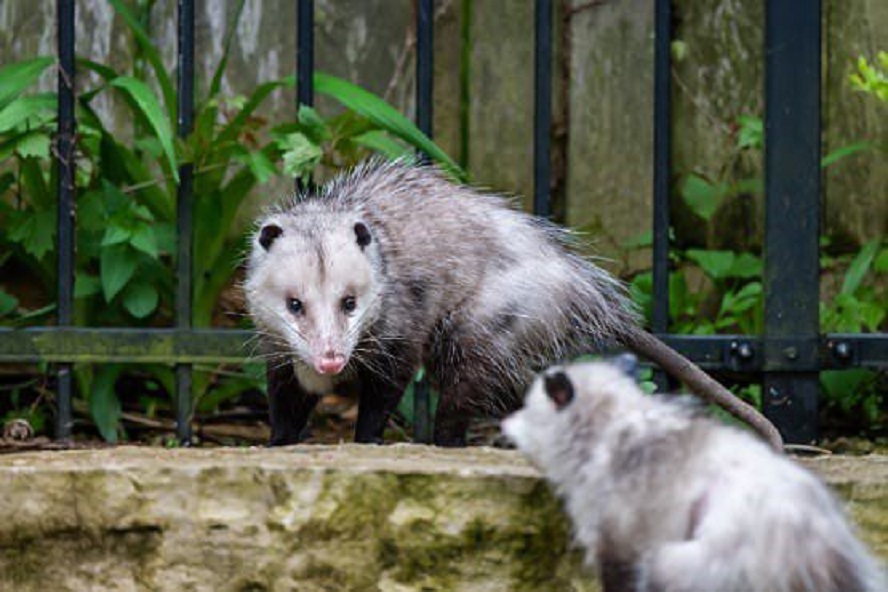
451,441
368,439
286,439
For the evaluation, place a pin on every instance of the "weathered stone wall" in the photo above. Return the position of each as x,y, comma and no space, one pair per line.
311,518
607,176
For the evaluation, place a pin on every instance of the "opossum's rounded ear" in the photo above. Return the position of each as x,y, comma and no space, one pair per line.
268,234
363,234
559,388
628,364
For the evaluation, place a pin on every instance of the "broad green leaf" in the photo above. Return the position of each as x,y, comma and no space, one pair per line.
843,152
8,303
18,76
384,115
104,406
871,314
165,235
750,290
140,299
117,264
746,265
35,232
144,240
715,264
751,133
33,178
147,102
114,235
24,108
151,55
34,144
86,285
702,197
859,267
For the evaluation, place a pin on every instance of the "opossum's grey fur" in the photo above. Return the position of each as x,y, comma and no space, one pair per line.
666,500
480,293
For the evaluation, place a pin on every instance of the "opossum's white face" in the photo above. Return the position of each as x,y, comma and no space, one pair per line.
563,400
313,289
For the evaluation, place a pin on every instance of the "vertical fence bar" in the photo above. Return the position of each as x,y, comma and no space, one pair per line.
424,62
424,67
542,115
65,157
304,62
662,169
305,52
185,56
792,214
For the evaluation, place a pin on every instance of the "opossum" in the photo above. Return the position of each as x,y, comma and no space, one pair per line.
665,499
392,266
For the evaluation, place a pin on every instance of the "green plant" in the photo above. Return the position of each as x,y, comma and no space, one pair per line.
127,194
872,78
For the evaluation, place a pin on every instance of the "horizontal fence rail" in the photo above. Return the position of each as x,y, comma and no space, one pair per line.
788,357
734,353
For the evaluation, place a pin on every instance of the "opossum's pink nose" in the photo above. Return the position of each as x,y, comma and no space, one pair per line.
331,363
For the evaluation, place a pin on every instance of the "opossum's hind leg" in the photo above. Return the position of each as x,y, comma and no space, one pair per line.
619,575
462,368
451,419
690,566
289,406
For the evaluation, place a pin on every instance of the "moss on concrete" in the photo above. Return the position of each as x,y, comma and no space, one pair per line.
321,518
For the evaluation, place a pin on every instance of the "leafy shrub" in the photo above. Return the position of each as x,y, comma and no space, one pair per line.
126,196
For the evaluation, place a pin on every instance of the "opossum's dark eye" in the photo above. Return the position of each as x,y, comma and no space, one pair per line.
294,305
559,388
349,304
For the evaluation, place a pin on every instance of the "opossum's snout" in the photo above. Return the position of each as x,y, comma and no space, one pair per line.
330,363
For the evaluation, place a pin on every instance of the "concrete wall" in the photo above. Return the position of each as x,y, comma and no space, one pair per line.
604,169
396,518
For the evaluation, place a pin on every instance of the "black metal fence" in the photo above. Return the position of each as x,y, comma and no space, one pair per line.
789,355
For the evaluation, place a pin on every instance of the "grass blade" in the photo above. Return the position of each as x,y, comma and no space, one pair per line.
147,102
384,115
151,54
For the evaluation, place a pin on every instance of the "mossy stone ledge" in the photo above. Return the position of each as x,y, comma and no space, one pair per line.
312,518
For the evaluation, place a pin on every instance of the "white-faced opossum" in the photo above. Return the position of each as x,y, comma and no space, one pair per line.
664,499
392,266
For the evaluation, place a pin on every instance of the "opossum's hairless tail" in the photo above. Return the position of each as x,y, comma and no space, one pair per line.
703,385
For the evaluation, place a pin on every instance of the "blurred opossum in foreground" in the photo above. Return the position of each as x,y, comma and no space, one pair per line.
393,266
666,500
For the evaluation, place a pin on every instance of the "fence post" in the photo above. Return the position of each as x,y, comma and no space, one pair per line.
65,158
792,215
184,288
542,101
425,26
662,170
